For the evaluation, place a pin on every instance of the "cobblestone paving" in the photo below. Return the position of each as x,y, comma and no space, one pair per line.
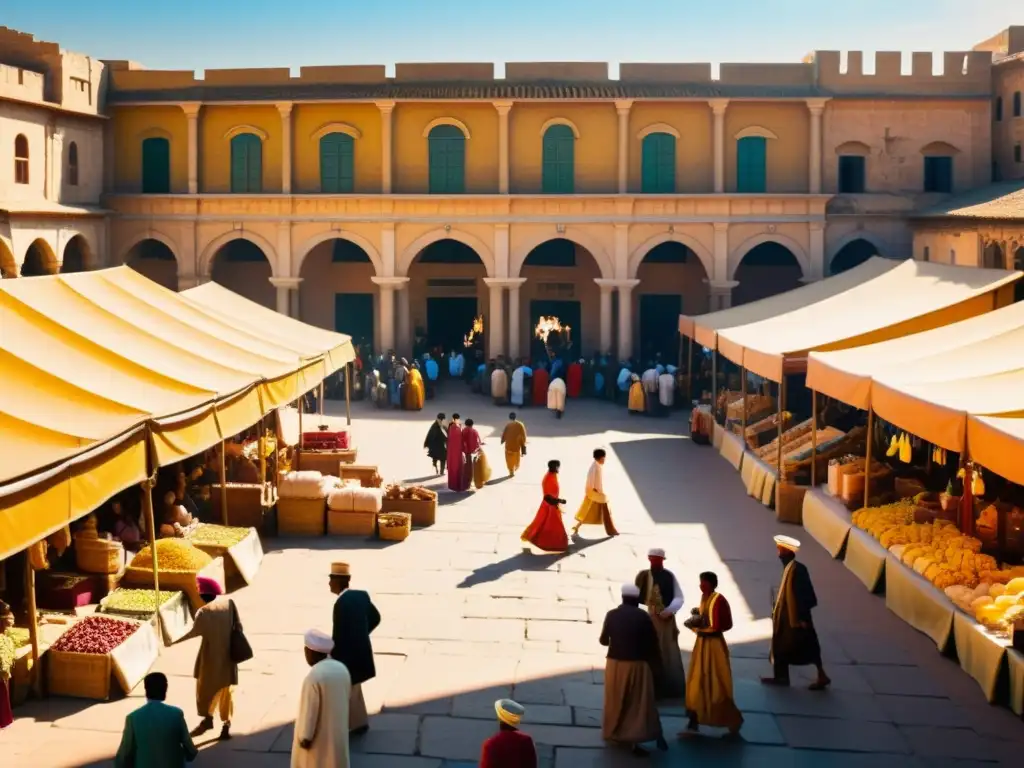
468,618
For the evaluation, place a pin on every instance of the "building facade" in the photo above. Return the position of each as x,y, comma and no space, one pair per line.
400,207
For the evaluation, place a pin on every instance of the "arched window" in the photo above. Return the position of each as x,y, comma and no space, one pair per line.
658,163
246,164
156,166
558,158
446,146
337,169
752,164
20,159
73,164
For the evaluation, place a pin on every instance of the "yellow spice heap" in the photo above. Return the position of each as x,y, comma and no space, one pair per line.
218,535
173,555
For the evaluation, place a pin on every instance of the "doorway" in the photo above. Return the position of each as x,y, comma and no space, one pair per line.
568,313
659,326
353,315
449,319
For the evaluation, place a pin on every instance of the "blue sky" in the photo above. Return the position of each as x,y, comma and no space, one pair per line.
201,34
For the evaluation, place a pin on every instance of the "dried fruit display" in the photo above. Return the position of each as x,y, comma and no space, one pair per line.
413,493
173,555
125,600
95,634
218,535
394,520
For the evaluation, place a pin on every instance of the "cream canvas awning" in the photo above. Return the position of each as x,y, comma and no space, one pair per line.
704,329
997,443
911,297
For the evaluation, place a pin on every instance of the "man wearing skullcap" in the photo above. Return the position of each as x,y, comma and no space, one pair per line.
794,640
215,672
355,617
321,729
630,715
661,593
509,747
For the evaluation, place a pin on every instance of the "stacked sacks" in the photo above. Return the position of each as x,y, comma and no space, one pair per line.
352,509
307,484
301,503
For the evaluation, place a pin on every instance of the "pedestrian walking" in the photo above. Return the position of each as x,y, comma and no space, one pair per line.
661,593
320,737
355,618
155,735
437,444
513,437
509,747
547,531
594,508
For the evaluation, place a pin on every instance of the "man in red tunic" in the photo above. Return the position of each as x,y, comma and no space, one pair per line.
509,747
574,379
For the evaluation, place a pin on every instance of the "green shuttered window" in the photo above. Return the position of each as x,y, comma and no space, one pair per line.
446,146
658,164
337,174
751,164
558,160
246,164
156,166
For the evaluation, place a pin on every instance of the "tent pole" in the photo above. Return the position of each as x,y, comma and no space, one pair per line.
714,384
320,402
33,622
743,396
867,455
223,483
814,438
261,446
778,451
147,507
348,393
689,370
298,446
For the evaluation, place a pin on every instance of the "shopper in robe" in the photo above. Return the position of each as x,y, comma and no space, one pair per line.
155,734
456,459
437,444
667,390
355,618
477,469
513,437
215,672
499,384
414,394
794,639
650,384
574,379
432,371
630,716
709,696
556,397
541,380
547,531
320,738
637,403
624,383
594,507
509,747
518,388
661,594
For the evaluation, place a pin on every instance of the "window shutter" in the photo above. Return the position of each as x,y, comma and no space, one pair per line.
558,149
456,160
156,166
658,164
751,159
336,163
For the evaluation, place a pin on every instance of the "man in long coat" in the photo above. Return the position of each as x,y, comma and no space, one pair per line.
794,639
437,444
513,437
216,674
355,617
661,593
320,739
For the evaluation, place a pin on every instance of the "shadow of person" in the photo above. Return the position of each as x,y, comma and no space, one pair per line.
523,561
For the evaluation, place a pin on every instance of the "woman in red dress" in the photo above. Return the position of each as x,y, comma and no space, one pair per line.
547,532
541,378
574,379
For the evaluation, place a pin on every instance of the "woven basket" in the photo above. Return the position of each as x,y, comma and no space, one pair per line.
394,532
99,556
81,675
351,523
364,473
423,513
301,517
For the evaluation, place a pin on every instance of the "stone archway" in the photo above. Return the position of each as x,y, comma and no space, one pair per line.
673,281
765,270
39,260
993,257
416,247
337,292
215,245
852,254
78,256
8,266
445,292
242,266
154,259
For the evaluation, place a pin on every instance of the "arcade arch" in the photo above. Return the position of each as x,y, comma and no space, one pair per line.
242,266
673,280
153,258
337,292
766,269
39,260
444,294
852,254
77,255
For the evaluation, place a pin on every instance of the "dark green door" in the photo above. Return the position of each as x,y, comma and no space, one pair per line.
156,166
446,147
659,326
246,164
752,164
449,319
558,158
568,313
353,315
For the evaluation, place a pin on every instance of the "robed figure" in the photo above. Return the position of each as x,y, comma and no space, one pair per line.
661,593
437,444
574,379
520,378
499,385
354,618
541,379
321,738
456,462
475,468
547,532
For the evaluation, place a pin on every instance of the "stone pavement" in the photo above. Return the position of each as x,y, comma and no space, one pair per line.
468,618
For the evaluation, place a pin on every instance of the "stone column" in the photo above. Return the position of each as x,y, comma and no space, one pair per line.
284,249
626,317
721,253
720,293
718,107
816,253
191,281
55,149
191,110
606,286
495,317
285,108
501,250
514,285
404,331
386,308
287,294
623,107
386,108
817,108
387,248
503,107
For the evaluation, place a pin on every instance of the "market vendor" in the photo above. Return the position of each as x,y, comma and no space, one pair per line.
125,527
175,520
6,665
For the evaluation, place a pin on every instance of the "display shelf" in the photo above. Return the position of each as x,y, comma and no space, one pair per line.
827,519
917,601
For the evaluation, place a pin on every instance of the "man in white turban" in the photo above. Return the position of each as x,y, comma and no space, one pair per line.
321,729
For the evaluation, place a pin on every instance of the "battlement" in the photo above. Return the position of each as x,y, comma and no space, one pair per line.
69,80
963,73
21,84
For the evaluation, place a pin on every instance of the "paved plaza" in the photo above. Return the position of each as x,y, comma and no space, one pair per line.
469,618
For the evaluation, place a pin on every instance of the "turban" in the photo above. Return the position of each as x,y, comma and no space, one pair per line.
509,712
208,586
318,642
656,552
787,542
630,590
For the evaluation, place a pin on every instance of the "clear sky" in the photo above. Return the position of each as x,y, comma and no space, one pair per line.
201,34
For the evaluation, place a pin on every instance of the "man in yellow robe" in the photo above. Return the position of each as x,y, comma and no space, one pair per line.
594,508
514,439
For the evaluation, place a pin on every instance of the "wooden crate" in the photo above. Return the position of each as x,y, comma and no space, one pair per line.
325,462
301,517
423,512
364,473
181,581
80,675
245,505
351,523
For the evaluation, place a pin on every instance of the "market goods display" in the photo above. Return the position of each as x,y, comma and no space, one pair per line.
766,425
19,636
769,451
756,406
355,498
394,526
172,555
125,600
218,535
995,605
305,484
412,492
95,635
